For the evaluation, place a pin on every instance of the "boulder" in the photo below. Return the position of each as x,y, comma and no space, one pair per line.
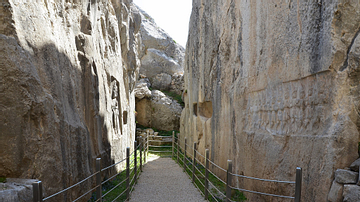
162,82
351,193
355,165
335,193
160,112
343,176
161,56
142,89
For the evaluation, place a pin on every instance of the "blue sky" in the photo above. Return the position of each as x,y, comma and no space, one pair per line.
171,15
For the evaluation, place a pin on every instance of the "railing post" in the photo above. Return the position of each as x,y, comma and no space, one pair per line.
98,179
194,162
144,149
127,172
140,149
37,191
185,156
147,143
298,184
177,152
228,181
173,144
206,174
135,161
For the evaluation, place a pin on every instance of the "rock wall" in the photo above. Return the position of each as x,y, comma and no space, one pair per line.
272,86
68,70
161,69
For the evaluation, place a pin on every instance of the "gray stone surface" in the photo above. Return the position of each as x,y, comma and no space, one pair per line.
160,55
68,70
355,165
343,176
272,86
162,82
17,190
142,89
160,112
335,193
351,193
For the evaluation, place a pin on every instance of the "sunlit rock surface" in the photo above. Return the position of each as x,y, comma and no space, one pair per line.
272,86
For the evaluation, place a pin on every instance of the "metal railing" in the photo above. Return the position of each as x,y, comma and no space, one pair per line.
130,183
191,162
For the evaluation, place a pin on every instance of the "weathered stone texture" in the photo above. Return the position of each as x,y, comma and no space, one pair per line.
343,176
68,69
160,112
351,193
272,86
162,59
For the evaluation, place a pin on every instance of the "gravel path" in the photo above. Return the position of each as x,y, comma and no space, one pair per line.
164,180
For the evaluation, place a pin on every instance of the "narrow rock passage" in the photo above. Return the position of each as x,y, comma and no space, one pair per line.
164,180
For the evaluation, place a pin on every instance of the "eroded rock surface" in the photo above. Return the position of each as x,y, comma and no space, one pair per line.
162,59
68,69
160,112
272,86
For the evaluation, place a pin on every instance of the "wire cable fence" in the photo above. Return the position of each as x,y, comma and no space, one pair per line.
116,187
212,186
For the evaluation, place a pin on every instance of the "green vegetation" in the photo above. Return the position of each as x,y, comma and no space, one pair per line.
118,179
2,179
175,97
161,132
200,181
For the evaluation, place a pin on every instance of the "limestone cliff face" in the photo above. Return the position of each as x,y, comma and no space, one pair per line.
272,86
68,69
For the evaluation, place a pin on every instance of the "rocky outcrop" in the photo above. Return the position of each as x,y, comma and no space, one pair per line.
161,57
68,70
159,111
161,69
272,86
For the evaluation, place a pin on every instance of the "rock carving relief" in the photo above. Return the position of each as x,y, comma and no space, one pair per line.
115,108
292,107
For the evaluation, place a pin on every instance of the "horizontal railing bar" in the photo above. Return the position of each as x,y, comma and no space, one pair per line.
199,180
209,191
200,163
120,195
199,153
85,193
216,176
160,151
217,166
160,141
72,186
112,177
216,188
256,192
160,146
158,136
114,187
200,171
266,180
112,165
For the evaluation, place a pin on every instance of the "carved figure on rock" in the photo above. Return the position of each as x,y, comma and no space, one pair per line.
279,123
115,107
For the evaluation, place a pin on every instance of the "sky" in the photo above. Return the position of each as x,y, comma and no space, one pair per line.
171,15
